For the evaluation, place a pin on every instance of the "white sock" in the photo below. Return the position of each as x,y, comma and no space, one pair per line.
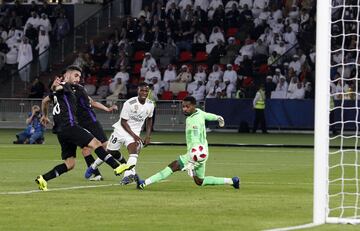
97,163
228,181
131,161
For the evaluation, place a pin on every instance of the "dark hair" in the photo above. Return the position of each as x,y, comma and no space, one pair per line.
143,84
73,68
190,99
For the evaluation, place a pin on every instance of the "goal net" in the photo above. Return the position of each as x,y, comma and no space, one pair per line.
337,158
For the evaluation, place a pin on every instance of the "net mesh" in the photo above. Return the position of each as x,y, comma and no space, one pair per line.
344,163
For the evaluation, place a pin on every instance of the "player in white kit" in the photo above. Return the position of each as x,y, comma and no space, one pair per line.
134,113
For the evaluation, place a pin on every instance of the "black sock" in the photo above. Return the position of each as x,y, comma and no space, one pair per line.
55,172
117,156
106,157
89,160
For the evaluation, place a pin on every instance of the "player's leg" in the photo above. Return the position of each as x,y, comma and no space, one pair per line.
202,180
134,150
68,154
89,159
174,166
113,147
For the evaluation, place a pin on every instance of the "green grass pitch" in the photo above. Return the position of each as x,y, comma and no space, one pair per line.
276,189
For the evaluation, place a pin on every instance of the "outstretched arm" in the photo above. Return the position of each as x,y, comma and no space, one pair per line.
101,106
213,117
45,110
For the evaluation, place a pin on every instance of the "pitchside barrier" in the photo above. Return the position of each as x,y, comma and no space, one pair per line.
280,114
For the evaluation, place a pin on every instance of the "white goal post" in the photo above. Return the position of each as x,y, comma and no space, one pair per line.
336,170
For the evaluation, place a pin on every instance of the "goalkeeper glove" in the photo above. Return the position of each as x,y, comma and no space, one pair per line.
189,167
221,121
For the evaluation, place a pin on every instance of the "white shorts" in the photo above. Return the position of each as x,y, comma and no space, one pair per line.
118,139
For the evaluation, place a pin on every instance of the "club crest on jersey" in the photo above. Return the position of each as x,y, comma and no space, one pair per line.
136,108
194,127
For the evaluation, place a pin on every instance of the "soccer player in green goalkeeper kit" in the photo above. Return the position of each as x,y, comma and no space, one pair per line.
195,136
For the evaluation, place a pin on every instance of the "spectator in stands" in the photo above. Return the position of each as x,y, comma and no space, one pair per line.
158,86
122,60
45,23
43,47
15,20
213,87
214,4
148,61
232,16
231,51
156,51
3,33
33,21
200,75
269,86
119,91
277,76
281,89
150,74
295,64
229,89
218,51
216,36
62,27
45,9
274,60
292,85
169,53
34,131
169,76
37,89
25,56
199,41
184,76
297,93
216,74
59,10
183,37
197,90
230,74
123,75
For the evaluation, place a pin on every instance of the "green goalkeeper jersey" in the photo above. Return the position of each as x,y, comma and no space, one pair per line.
195,128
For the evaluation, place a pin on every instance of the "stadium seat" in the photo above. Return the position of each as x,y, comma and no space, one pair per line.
106,81
185,56
139,56
181,95
167,95
235,67
91,80
201,56
136,69
231,32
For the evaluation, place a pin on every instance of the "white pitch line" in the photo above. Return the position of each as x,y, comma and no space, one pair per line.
66,188
306,226
58,189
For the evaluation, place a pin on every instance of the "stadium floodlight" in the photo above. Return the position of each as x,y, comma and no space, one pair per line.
336,170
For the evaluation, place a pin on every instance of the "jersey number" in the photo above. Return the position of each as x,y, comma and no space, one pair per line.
113,139
56,109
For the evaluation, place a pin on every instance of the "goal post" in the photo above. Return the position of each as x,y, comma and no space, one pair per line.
322,90
337,170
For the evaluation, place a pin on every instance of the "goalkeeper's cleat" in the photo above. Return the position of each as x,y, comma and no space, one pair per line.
140,184
122,168
89,172
41,183
236,182
96,178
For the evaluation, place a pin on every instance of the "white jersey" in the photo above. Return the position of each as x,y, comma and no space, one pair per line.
135,113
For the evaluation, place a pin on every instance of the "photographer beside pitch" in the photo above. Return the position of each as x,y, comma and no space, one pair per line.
34,131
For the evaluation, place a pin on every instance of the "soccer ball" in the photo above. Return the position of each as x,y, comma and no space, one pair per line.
198,153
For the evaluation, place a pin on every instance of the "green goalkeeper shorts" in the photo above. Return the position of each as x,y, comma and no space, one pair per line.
199,168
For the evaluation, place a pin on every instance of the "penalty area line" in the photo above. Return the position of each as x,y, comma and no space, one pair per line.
305,226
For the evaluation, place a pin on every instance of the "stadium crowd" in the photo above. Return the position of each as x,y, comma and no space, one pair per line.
203,48
26,32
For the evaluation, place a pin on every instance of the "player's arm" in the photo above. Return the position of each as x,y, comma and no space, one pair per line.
45,110
149,122
101,106
127,128
214,117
